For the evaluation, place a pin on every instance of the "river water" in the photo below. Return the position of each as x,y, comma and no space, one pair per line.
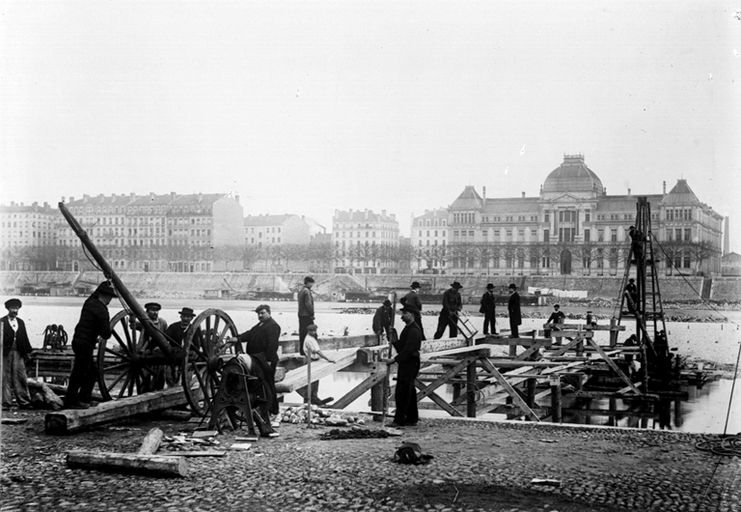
711,343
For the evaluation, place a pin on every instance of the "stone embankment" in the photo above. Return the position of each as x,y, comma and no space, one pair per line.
476,466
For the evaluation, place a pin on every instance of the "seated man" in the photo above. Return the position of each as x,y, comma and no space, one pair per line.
555,321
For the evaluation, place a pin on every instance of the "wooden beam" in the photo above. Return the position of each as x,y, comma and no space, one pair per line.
68,421
151,442
438,400
445,377
154,465
297,378
614,367
361,388
514,394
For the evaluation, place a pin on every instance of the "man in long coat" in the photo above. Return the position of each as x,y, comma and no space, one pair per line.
94,322
488,308
513,308
407,348
262,345
452,305
411,300
16,348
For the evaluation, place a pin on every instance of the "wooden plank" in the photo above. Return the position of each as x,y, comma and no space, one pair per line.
514,394
438,400
151,442
297,378
614,367
445,377
355,393
154,465
73,420
493,388
478,350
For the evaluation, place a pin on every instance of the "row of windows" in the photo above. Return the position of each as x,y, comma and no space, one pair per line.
442,233
679,214
427,223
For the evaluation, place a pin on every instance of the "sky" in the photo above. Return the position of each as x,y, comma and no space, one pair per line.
311,106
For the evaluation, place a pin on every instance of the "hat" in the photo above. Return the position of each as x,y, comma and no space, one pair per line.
308,279
386,302
262,307
105,288
490,286
408,309
513,286
556,306
631,280
456,285
153,306
13,303
186,312
415,284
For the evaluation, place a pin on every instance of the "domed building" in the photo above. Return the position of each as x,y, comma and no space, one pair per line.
574,227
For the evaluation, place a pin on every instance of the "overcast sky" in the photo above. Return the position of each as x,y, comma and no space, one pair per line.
310,106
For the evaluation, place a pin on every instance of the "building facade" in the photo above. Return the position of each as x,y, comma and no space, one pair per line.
429,237
171,232
27,236
365,242
574,227
287,242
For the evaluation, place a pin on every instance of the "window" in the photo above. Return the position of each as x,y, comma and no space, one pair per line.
688,234
587,215
546,235
547,217
586,235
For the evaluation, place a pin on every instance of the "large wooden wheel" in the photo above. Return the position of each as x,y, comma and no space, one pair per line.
209,342
121,373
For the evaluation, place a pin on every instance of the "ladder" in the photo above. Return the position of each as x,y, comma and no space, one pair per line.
466,326
640,297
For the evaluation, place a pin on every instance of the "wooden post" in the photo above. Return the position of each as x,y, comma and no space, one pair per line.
151,442
456,390
155,465
513,350
307,399
613,332
530,398
555,381
471,389
580,345
613,419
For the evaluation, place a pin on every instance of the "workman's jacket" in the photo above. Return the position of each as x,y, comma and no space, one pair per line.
263,339
382,319
306,303
513,308
94,322
22,345
411,301
557,317
488,304
177,333
452,302
408,345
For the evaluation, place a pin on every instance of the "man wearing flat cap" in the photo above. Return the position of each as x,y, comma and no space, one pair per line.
16,348
411,301
94,322
407,356
262,344
452,305
513,308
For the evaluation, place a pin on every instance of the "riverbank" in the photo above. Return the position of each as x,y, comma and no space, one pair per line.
476,466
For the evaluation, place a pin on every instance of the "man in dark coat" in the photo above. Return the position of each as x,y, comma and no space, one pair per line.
176,333
513,308
262,345
411,301
488,308
452,305
556,319
94,322
382,320
407,348
631,295
16,349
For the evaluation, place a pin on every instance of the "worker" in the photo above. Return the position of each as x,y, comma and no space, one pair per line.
176,333
513,309
631,295
94,323
555,322
488,308
382,320
16,350
412,301
452,306
261,343
408,357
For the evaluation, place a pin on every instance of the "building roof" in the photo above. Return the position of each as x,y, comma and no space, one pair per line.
468,200
511,205
438,213
681,194
362,216
573,175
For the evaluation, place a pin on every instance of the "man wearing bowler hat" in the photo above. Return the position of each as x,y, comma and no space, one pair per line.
176,332
452,305
513,308
407,356
94,322
488,308
16,348
412,302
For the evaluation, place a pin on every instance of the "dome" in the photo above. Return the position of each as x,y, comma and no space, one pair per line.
573,175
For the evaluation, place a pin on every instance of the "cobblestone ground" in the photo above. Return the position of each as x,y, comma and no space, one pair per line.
476,466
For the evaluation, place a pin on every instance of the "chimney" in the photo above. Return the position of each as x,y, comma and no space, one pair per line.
236,198
663,187
628,190
523,195
484,192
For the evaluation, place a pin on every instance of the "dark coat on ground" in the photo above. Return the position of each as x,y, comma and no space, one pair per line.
22,345
513,308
